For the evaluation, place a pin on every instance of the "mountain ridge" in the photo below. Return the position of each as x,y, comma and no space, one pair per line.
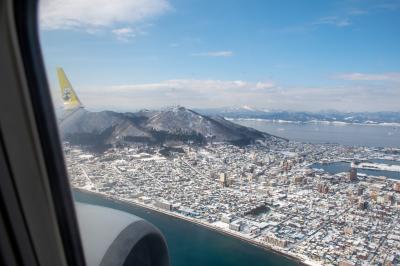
303,116
169,126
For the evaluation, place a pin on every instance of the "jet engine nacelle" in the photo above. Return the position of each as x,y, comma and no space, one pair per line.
112,237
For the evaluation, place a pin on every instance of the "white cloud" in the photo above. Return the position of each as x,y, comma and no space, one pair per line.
185,92
333,20
390,5
215,54
124,34
394,76
93,15
357,12
196,93
197,85
264,85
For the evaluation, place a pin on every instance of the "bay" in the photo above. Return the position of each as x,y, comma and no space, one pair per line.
338,167
194,245
345,134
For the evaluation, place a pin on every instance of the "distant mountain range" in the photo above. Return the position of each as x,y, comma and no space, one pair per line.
328,116
170,126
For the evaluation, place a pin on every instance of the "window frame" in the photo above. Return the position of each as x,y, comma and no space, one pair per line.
32,146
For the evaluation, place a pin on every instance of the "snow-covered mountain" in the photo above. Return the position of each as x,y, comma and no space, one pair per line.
176,124
330,116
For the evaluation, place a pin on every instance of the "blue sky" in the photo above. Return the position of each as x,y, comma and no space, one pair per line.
290,55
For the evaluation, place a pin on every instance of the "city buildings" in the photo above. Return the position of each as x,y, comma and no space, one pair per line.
352,174
288,204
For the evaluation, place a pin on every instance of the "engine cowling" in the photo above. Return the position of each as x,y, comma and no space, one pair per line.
112,237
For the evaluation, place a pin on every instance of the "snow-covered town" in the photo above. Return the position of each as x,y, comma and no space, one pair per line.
277,196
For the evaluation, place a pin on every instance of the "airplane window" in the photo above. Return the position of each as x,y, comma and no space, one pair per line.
247,132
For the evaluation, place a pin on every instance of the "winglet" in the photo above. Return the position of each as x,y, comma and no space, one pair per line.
68,94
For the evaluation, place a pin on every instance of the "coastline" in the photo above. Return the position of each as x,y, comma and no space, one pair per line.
297,260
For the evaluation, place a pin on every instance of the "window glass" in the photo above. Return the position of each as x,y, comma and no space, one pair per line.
249,132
